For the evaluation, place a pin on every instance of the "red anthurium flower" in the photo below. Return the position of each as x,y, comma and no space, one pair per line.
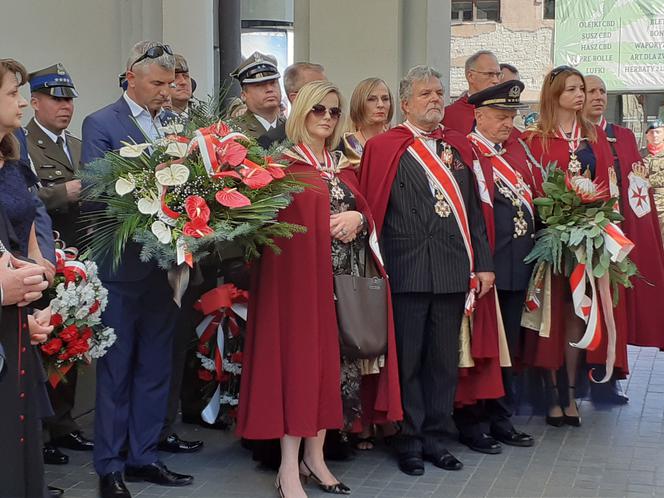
231,198
196,228
254,176
197,208
231,153
276,170
219,128
230,174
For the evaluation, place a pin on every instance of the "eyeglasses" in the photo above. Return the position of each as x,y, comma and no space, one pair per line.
557,70
490,74
153,53
319,111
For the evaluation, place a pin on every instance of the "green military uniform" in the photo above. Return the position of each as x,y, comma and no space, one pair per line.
54,168
655,165
252,127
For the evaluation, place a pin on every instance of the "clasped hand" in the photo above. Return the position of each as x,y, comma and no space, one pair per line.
22,282
345,226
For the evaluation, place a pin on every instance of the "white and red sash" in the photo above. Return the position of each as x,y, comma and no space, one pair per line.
442,179
503,171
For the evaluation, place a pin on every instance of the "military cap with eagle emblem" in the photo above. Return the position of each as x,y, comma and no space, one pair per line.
257,68
53,80
505,95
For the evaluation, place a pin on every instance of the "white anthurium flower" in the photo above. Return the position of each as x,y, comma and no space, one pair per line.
149,204
124,185
173,175
133,150
161,231
177,149
172,128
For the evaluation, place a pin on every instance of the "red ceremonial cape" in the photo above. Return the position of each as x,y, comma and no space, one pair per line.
291,372
549,352
643,302
460,116
380,161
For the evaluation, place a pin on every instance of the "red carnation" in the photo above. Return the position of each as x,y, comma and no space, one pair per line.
86,334
69,333
56,319
204,349
78,346
64,355
52,346
95,307
204,375
236,357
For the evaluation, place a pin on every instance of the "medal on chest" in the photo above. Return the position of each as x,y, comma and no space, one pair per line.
573,142
447,156
442,207
336,192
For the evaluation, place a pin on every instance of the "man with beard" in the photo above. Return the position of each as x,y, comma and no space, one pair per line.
422,195
645,314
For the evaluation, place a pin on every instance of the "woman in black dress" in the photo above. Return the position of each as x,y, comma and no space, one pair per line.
22,379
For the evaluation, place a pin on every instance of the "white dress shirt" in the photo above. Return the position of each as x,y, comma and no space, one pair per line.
265,123
148,125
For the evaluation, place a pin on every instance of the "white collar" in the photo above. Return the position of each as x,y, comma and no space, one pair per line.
493,144
419,130
137,110
265,123
50,134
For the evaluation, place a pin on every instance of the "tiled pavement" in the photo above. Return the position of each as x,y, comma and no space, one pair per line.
617,452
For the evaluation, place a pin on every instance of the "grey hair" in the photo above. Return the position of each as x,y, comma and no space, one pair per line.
470,62
292,74
165,60
417,73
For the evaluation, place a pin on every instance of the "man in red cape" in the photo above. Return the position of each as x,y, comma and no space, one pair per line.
645,314
427,255
506,183
482,71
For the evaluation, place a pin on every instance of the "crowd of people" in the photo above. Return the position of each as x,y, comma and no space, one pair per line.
441,206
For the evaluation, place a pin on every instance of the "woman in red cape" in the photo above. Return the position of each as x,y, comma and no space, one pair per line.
291,382
562,135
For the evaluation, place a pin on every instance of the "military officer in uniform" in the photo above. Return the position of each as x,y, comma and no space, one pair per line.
654,161
56,154
259,79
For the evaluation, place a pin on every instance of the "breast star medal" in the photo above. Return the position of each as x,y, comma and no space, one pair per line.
574,165
336,191
447,156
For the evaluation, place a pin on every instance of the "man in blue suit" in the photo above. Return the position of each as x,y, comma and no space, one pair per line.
133,378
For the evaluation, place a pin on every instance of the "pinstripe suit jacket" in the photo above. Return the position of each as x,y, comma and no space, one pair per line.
424,252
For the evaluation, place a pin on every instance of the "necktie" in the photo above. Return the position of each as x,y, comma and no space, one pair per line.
498,147
61,143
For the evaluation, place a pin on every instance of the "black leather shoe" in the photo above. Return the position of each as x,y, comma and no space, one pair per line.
174,444
411,464
74,441
53,456
157,473
484,444
444,460
55,492
514,438
112,486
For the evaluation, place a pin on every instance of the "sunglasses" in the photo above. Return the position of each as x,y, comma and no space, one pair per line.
319,111
557,70
153,53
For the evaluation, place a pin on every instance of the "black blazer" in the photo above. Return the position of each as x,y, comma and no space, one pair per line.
424,252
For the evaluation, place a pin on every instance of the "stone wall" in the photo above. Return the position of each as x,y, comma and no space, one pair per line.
522,39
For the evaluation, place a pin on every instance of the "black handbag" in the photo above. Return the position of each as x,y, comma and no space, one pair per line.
361,303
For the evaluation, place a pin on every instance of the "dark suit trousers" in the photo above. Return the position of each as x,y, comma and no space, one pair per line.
133,378
427,334
497,411
62,399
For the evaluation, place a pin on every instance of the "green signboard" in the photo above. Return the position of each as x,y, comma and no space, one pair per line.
622,41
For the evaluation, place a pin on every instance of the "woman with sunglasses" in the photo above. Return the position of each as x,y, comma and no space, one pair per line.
291,378
22,380
563,136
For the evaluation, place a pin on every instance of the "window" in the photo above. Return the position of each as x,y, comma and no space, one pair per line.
549,8
475,10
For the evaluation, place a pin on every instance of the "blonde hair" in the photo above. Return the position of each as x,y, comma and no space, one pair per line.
552,88
310,95
9,146
358,101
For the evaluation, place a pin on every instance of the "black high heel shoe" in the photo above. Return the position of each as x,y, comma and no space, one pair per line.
337,489
554,398
574,421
